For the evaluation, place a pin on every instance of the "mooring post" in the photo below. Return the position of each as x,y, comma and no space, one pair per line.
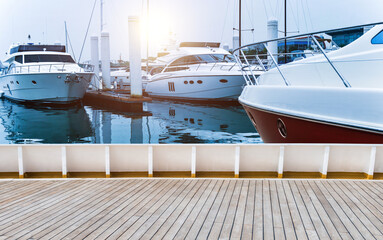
135,57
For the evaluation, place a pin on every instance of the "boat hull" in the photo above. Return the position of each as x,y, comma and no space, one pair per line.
55,88
202,87
272,127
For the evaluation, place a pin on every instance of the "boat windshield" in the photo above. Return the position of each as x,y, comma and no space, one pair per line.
203,58
48,58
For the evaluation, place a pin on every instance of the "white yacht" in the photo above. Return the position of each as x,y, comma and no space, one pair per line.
43,74
197,71
336,97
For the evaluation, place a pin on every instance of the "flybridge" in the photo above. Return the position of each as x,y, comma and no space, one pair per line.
200,44
34,48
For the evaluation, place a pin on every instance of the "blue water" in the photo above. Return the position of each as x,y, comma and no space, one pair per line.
161,122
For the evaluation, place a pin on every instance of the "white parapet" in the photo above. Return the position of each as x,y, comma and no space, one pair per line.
135,56
95,61
272,33
105,59
234,160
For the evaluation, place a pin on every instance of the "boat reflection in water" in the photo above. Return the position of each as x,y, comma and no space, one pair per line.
201,123
42,124
161,122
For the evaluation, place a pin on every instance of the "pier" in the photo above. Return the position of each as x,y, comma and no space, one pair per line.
190,208
115,100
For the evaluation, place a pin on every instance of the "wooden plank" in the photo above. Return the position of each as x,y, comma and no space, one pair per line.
70,213
170,211
276,210
99,220
191,211
320,230
371,191
31,211
208,223
329,208
215,231
348,211
324,216
182,210
26,195
42,220
294,211
258,211
367,218
268,222
236,232
127,206
247,230
349,226
138,210
285,211
197,217
145,221
376,203
232,227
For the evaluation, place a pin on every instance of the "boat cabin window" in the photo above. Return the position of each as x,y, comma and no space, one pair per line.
206,58
48,58
223,58
19,59
378,39
185,61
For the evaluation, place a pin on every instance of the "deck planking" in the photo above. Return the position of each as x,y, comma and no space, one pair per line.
158,208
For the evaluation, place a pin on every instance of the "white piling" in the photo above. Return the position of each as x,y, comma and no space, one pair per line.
95,61
272,33
105,59
135,56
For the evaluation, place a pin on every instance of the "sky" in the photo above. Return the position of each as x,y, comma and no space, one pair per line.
181,20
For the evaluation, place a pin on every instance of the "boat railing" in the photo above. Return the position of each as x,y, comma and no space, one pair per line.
48,68
268,54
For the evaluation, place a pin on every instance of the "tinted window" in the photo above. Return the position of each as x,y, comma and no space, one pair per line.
223,58
185,61
206,58
19,59
48,58
378,39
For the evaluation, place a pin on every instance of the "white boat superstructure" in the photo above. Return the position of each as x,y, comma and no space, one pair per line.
43,73
197,71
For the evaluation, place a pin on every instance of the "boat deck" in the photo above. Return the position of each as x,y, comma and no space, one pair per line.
191,208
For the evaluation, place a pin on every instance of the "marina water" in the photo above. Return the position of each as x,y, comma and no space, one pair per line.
160,122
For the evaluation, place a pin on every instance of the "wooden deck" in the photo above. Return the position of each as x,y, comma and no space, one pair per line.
191,208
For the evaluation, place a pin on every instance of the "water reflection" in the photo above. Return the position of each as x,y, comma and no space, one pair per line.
161,122
39,124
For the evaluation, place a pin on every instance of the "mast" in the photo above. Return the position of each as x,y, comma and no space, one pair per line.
285,31
147,37
102,15
240,26
66,37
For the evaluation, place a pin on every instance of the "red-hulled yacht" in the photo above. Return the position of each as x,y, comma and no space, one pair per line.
335,97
